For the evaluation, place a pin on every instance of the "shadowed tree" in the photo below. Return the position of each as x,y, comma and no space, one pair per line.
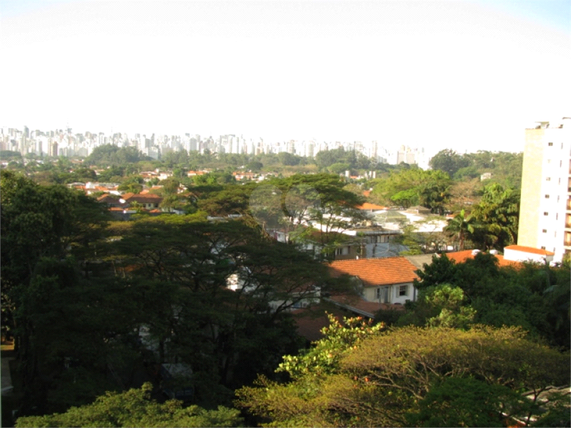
461,227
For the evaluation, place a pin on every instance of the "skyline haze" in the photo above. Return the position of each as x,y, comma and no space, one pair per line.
464,75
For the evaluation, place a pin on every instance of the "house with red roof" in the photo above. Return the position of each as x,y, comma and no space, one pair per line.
147,201
368,207
462,256
520,253
514,255
384,280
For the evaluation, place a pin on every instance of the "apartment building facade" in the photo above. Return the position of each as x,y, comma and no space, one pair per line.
545,210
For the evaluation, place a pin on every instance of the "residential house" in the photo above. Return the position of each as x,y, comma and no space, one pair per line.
513,255
148,201
370,208
383,280
520,253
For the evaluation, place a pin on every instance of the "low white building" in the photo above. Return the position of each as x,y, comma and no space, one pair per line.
519,253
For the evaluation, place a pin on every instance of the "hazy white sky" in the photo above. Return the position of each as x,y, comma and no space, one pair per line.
466,75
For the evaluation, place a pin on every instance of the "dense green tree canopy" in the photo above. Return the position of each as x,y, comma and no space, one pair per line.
388,378
532,296
135,408
414,187
498,216
448,161
110,154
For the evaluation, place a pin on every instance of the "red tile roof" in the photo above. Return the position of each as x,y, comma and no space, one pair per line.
462,256
368,206
529,250
374,272
145,197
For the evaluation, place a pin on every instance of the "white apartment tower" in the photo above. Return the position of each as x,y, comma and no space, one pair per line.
545,210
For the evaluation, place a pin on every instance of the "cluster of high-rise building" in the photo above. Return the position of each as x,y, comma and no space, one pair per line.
64,142
545,210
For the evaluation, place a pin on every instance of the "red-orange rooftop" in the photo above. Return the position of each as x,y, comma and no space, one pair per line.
369,206
374,272
462,256
529,250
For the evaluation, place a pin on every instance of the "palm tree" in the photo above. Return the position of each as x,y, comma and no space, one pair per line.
498,213
461,227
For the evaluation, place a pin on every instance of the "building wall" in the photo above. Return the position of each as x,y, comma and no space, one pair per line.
545,210
393,295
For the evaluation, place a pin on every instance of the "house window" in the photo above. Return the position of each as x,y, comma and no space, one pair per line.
545,213
548,179
544,230
543,247
546,196
403,290
550,144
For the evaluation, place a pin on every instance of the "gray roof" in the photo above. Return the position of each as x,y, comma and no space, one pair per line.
420,260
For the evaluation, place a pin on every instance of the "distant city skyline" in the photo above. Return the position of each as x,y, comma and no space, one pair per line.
464,75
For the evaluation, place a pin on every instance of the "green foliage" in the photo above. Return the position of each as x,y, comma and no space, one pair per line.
414,186
286,158
389,376
10,154
134,408
440,306
38,221
326,158
214,178
110,154
340,338
448,161
468,402
498,216
255,166
534,297
219,332
462,228
133,184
